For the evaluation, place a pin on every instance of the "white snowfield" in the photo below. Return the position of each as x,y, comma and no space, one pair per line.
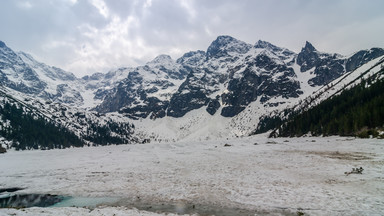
283,176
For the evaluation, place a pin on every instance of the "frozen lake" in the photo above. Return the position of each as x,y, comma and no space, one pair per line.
255,174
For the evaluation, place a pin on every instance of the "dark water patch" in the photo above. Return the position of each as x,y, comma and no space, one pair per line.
200,209
88,202
10,190
48,200
28,200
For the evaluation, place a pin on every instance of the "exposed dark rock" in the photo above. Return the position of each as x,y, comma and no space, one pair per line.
213,106
2,150
193,58
362,57
231,74
18,71
182,103
223,45
308,57
243,91
327,67
327,70
133,96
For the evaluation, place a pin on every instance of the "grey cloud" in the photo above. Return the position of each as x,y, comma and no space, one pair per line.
79,38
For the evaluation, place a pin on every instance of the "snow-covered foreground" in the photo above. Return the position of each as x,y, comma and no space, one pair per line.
275,176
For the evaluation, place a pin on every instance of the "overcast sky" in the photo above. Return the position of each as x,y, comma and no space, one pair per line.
87,36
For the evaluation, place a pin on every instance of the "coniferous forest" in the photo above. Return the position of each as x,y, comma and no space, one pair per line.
358,111
29,131
26,129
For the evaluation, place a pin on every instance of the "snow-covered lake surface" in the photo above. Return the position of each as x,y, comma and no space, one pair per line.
267,176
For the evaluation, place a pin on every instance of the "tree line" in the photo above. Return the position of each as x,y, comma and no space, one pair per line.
29,131
358,111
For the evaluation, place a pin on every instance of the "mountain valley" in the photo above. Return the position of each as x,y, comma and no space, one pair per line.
223,92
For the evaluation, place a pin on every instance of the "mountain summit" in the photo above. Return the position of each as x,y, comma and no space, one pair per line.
224,45
2,44
233,82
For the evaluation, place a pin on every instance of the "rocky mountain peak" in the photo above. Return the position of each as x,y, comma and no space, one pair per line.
5,51
2,44
361,57
264,44
283,53
308,57
224,39
223,45
162,60
192,58
308,47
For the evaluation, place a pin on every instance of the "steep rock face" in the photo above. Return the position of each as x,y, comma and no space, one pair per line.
53,73
192,59
308,57
330,68
282,53
189,96
268,73
263,78
362,57
327,67
101,84
131,97
16,74
235,74
226,46
231,74
147,89
228,76
21,72
207,80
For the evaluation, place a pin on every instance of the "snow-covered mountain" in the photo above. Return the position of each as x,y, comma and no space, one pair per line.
20,112
228,87
220,92
21,72
230,74
146,90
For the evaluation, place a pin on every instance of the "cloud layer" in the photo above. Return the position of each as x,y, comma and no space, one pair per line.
87,36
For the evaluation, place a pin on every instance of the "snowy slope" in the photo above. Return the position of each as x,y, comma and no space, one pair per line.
199,125
91,127
220,92
348,80
146,90
21,72
230,75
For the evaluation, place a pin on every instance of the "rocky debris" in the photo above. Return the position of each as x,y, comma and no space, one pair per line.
355,171
2,150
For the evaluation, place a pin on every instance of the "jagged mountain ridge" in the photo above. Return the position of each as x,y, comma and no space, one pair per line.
19,71
146,90
372,71
210,74
231,74
351,105
232,82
